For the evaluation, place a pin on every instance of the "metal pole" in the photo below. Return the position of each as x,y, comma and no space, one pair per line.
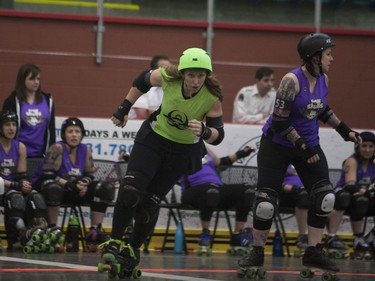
318,14
99,28
210,19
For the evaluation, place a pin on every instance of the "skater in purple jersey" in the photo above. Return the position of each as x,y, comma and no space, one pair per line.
290,136
25,208
35,110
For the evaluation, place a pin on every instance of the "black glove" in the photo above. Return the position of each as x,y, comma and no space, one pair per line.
244,152
307,150
344,131
122,110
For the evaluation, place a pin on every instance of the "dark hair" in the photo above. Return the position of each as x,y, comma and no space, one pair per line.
20,87
156,59
263,72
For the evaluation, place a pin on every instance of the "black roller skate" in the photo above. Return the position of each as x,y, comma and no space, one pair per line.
109,252
95,237
129,258
361,250
301,243
240,242
336,248
32,239
315,260
205,240
55,240
251,266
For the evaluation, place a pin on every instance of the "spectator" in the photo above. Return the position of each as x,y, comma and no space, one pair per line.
35,110
254,104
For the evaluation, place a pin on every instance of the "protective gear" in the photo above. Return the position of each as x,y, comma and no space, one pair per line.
105,191
71,121
281,125
53,193
359,205
215,122
36,202
128,196
2,187
326,114
244,152
343,198
351,187
220,137
307,150
265,203
148,210
367,136
322,198
313,43
15,205
122,110
7,116
344,131
142,82
301,198
21,177
212,197
206,132
195,58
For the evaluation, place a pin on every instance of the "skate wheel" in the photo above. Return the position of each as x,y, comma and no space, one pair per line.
50,250
36,239
240,273
231,252
209,252
338,255
327,276
199,252
241,252
100,267
262,273
297,254
306,273
27,250
251,273
137,273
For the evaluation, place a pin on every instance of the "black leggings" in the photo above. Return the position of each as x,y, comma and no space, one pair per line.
231,196
273,160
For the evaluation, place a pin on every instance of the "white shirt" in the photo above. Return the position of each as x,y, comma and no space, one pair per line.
249,106
150,100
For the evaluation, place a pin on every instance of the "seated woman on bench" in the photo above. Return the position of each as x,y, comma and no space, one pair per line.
205,191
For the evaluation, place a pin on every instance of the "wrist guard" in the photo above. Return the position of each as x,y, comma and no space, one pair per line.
344,131
206,132
243,153
123,110
307,150
16,185
351,187
225,161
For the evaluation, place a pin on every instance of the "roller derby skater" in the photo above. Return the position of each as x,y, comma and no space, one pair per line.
240,242
67,176
291,136
204,242
335,247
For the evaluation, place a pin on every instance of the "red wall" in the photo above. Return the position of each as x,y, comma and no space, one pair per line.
64,47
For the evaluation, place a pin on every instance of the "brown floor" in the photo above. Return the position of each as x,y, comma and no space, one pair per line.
161,266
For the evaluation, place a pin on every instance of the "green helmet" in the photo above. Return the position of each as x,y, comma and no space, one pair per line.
195,58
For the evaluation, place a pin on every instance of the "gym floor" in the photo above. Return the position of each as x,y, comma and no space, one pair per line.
16,266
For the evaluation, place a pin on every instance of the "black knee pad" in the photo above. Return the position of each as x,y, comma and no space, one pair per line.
302,199
343,199
265,204
104,190
322,198
15,205
131,189
36,201
359,205
212,197
148,210
53,193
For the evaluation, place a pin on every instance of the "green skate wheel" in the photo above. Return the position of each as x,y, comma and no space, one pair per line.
306,273
100,267
231,252
50,250
251,273
37,238
241,252
137,273
327,276
43,247
262,273
199,252
27,250
209,252
297,253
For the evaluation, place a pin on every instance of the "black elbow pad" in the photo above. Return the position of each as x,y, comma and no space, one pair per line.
281,125
326,114
142,82
220,136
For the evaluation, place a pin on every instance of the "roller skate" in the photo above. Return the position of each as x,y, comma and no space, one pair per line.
370,240
362,250
109,254
55,240
336,248
251,266
240,242
95,237
205,240
315,260
32,239
129,258
301,243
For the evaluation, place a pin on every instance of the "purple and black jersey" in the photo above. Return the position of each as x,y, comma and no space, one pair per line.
364,178
305,111
9,161
68,168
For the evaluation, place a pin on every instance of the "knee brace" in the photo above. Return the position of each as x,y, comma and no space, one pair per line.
359,205
322,198
53,193
265,204
35,202
343,198
148,209
105,191
15,205
131,189
212,197
302,199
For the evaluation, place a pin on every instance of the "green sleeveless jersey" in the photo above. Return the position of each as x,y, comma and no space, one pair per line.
176,111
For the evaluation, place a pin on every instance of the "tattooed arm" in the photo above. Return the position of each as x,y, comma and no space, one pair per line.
53,159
